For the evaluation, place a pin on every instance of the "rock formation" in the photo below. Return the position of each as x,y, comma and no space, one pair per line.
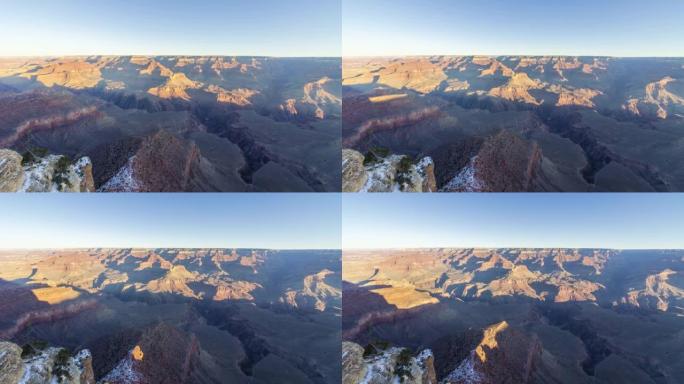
375,365
175,87
239,96
517,89
408,279
390,173
505,355
11,171
354,175
315,294
656,100
658,292
48,173
39,364
69,73
323,101
504,163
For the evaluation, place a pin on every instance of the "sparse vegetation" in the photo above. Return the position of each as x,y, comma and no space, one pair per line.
62,170
370,350
404,169
32,155
32,348
369,158
375,347
403,369
375,155
60,368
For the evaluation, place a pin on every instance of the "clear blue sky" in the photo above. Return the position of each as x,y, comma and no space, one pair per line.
513,220
182,27
280,220
530,27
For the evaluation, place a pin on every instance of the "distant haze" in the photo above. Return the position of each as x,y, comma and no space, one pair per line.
171,27
531,220
503,27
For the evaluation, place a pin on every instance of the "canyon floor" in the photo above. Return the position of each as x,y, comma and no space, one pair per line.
516,123
169,124
178,315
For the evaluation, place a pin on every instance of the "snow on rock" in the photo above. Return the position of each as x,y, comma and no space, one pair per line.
49,173
124,372
395,174
466,180
465,373
386,366
124,180
47,366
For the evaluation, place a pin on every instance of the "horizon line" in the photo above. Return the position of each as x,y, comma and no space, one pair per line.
154,247
503,247
512,55
165,55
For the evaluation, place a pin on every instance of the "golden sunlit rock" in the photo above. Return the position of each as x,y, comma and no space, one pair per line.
137,353
55,295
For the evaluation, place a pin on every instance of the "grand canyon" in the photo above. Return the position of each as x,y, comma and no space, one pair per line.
170,124
480,316
139,316
512,124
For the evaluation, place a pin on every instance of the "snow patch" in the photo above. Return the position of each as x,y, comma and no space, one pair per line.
466,373
123,181
124,372
379,366
466,180
380,173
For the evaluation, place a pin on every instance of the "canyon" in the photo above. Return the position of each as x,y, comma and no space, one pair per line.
513,315
180,124
171,315
522,123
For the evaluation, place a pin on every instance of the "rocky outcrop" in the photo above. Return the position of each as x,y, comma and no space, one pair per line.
175,281
11,364
574,96
70,73
656,101
240,96
162,163
164,354
234,290
380,365
354,175
421,75
11,171
320,98
353,367
38,364
389,173
507,163
314,295
504,163
517,89
49,173
153,67
658,293
504,356
175,87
